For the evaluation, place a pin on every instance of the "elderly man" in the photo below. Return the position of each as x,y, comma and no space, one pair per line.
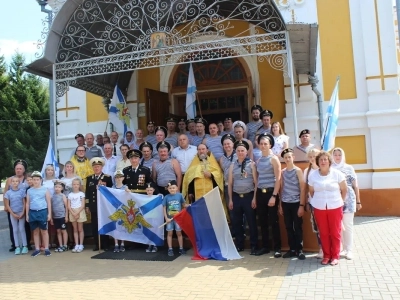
151,134
114,144
123,162
110,160
92,150
203,174
165,169
300,151
253,126
136,177
92,183
184,153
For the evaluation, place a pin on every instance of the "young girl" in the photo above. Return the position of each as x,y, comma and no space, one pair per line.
69,175
14,200
150,189
38,207
49,177
119,177
60,216
311,155
77,215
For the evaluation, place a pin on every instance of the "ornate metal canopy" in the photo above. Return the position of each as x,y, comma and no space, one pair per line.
94,44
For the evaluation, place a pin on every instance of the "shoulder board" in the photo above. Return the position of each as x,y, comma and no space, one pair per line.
106,175
145,168
126,168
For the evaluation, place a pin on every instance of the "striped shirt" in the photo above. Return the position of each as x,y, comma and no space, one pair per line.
226,163
290,186
147,163
215,146
243,182
266,175
151,139
196,140
172,139
252,128
262,130
165,172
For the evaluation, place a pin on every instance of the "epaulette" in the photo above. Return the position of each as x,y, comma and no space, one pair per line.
106,175
144,167
126,168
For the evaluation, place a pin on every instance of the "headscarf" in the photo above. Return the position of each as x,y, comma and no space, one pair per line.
342,162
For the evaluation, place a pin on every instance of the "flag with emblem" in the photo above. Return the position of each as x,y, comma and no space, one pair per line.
118,113
130,217
205,224
191,95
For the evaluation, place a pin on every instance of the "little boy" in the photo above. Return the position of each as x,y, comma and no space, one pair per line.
173,203
38,213
292,204
119,178
151,190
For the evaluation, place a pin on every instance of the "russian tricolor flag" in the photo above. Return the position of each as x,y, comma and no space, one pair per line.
205,224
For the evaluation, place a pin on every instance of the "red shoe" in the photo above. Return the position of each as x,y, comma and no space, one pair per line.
325,261
334,262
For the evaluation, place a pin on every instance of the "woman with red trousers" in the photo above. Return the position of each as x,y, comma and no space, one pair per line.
328,189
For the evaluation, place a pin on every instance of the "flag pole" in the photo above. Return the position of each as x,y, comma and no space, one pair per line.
198,102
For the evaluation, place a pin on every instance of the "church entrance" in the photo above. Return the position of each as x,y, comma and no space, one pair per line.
222,90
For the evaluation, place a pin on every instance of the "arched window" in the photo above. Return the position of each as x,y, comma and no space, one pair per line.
208,73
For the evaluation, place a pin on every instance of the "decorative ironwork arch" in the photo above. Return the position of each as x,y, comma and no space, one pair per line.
103,39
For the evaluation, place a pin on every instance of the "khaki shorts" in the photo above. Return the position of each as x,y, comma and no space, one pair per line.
82,216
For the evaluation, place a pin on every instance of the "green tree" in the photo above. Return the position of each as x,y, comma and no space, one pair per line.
23,103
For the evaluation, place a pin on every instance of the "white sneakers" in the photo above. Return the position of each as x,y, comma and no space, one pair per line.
78,249
347,254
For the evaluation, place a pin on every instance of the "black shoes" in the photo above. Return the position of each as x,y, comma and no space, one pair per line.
301,255
289,254
12,249
262,251
239,249
253,251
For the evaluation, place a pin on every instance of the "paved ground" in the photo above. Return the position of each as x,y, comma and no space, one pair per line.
373,274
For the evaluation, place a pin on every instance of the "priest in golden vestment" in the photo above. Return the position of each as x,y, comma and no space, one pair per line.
203,174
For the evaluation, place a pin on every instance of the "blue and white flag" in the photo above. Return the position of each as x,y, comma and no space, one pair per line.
130,217
118,114
331,120
50,159
191,95
205,224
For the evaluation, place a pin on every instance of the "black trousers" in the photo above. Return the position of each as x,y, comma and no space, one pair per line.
294,225
163,190
242,205
10,227
268,216
104,239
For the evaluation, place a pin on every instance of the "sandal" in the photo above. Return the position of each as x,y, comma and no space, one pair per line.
334,262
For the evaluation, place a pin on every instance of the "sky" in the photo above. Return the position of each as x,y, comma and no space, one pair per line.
21,27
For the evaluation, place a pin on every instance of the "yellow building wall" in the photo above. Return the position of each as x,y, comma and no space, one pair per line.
272,96
147,79
95,110
354,147
336,48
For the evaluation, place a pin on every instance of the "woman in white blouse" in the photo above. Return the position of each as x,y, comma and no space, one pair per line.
328,189
281,139
69,175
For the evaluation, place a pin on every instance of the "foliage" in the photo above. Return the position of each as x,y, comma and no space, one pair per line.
24,99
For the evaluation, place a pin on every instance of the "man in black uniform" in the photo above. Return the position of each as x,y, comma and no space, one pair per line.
136,176
92,183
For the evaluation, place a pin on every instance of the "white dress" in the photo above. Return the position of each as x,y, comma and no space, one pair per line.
68,185
279,141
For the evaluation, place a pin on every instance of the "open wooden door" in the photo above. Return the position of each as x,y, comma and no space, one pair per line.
157,106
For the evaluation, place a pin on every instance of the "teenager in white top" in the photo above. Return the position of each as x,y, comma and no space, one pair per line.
328,189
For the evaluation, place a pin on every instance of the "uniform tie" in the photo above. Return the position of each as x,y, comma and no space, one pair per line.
115,151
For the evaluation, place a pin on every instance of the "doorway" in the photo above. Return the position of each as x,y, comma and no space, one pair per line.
222,90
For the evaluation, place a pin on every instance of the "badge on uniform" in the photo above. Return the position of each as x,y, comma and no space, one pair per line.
91,183
141,179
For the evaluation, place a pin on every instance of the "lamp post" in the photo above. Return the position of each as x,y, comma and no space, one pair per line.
52,103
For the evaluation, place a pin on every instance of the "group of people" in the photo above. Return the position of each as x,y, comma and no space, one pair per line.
242,160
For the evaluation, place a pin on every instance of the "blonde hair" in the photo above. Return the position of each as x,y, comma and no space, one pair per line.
68,163
45,172
77,179
309,153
